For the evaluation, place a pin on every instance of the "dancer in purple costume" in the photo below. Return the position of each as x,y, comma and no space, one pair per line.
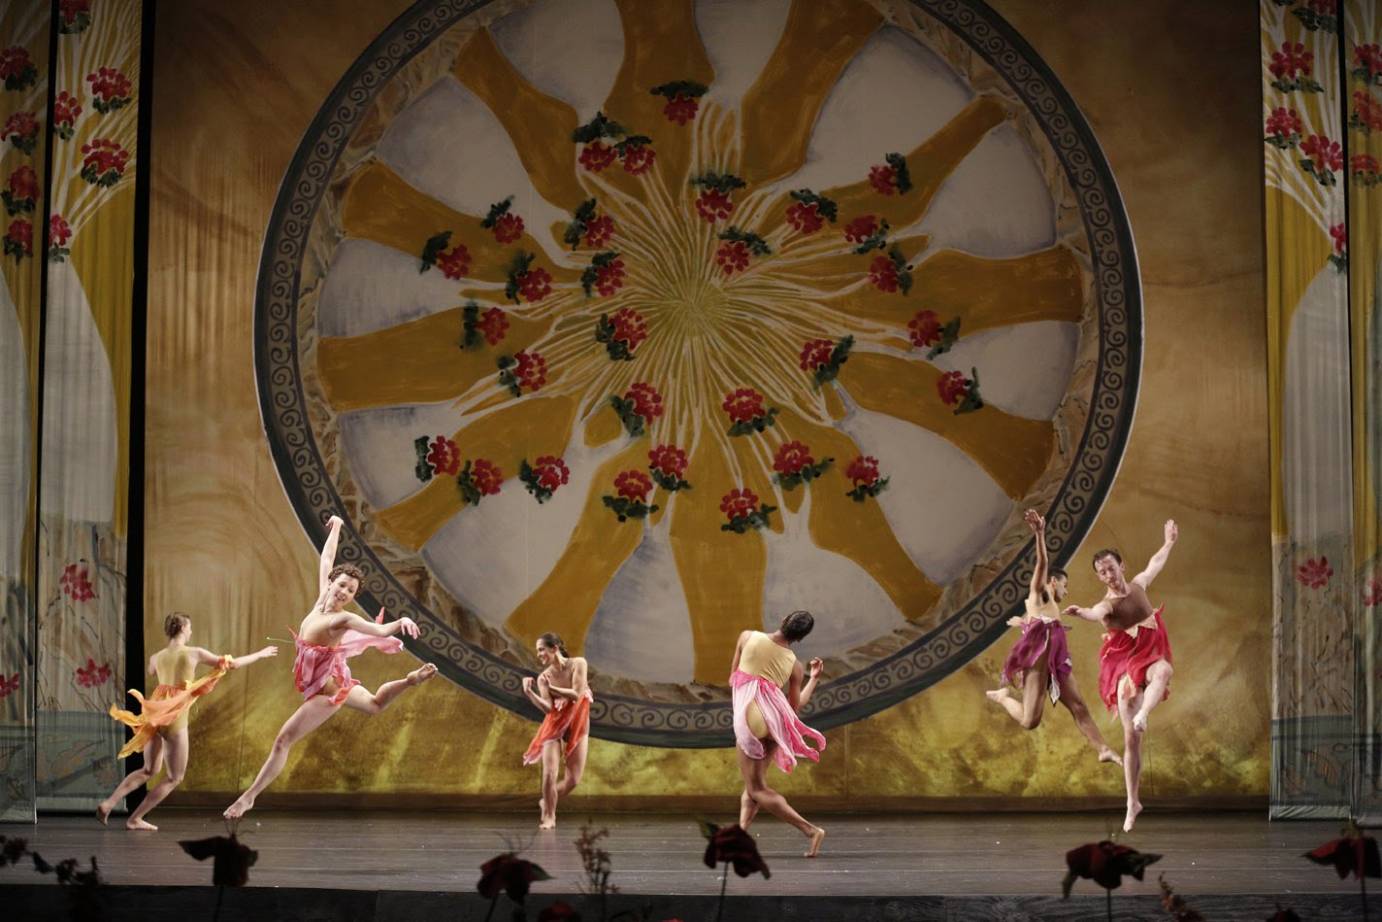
1039,663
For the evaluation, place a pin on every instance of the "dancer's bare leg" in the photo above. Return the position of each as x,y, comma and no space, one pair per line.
309,716
748,809
1027,712
1158,677
177,749
575,768
753,772
1129,701
551,767
153,761
363,701
1074,703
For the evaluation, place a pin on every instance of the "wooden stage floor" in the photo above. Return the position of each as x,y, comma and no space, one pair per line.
998,855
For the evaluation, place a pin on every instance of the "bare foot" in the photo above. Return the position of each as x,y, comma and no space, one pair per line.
817,838
1134,809
141,825
102,813
238,809
422,674
1108,755
998,694
548,824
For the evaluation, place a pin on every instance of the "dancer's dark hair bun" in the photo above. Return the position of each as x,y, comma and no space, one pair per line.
797,625
173,624
554,642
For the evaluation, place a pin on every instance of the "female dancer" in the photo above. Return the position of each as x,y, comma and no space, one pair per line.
563,695
1135,657
328,637
765,721
161,724
1040,661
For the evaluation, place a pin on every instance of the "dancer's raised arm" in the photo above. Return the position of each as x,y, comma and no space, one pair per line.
348,620
799,695
1039,573
328,558
1158,561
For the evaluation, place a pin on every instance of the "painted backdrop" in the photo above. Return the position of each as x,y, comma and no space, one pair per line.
603,269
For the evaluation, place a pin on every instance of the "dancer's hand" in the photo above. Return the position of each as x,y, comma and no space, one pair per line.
1016,621
1172,531
407,626
334,522
270,650
815,666
1072,611
527,685
1034,521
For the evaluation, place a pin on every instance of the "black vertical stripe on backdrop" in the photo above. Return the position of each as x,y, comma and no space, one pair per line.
139,304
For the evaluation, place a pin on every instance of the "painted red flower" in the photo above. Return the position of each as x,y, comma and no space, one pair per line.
952,387
597,155
15,62
599,231
1368,59
21,129
669,460
732,256
792,457
76,583
1339,234
66,108
638,158
883,179
109,86
493,324
1291,60
714,205
629,326
455,262
551,472
1315,572
535,284
71,9
863,471
1324,7
646,401
91,675
1372,592
8,686
861,228
508,228
1364,165
737,504
486,476
883,274
805,217
1367,111
924,329
59,231
743,405
609,278
1323,153
19,239
530,370
633,485
1284,122
23,182
681,108
816,354
444,456
104,161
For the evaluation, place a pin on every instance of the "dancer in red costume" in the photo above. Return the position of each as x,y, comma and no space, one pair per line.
1135,658
1040,661
562,693
327,638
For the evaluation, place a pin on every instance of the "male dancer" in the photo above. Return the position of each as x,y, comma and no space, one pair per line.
1135,657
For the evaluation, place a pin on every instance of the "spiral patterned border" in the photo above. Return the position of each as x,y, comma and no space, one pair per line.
963,636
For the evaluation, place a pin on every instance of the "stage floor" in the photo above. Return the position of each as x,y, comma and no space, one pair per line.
896,855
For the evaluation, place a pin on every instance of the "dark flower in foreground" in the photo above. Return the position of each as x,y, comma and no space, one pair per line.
731,844
1105,863
232,858
509,873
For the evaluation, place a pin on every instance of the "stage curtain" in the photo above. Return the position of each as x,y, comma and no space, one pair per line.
1321,244
23,138
1364,65
84,445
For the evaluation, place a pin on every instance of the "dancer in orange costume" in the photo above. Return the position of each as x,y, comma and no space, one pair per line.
1039,663
327,638
1135,658
160,727
766,725
562,692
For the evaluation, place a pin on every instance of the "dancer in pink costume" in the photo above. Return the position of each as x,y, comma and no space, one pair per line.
1135,658
766,725
1039,663
327,638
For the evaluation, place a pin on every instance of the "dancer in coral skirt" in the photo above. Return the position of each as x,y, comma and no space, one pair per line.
160,727
1135,658
1039,663
562,693
327,638
766,725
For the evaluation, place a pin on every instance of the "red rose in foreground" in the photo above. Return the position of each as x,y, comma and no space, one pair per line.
1105,863
732,845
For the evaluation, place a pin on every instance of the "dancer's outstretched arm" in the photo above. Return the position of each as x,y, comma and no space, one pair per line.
348,620
541,697
1043,564
328,558
579,682
1097,613
207,658
1154,566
